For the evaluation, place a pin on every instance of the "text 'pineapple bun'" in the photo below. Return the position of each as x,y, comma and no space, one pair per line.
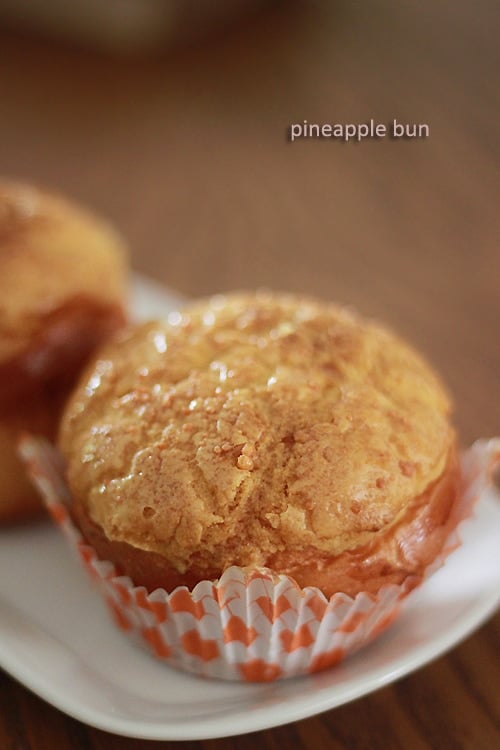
262,430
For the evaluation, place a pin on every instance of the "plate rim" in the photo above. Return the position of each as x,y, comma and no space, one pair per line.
290,710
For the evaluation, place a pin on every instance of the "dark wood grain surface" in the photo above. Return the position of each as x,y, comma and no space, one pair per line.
187,152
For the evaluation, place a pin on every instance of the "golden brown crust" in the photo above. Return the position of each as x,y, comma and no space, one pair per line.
253,429
402,551
62,289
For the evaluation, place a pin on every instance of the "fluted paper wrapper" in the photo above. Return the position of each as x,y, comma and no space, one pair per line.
251,624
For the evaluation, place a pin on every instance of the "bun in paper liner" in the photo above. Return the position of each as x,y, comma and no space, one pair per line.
251,624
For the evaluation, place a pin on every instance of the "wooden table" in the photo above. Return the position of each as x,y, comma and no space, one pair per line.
188,153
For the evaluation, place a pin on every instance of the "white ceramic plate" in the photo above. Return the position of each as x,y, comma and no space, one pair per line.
57,639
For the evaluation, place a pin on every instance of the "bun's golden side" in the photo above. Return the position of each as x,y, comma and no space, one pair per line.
62,288
55,259
262,430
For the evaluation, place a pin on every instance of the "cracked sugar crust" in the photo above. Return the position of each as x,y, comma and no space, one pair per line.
251,425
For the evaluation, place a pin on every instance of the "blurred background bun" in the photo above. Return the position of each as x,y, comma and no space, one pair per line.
62,292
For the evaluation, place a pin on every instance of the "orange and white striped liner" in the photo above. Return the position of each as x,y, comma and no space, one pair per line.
251,624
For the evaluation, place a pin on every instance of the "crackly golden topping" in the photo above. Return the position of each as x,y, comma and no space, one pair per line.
51,253
252,424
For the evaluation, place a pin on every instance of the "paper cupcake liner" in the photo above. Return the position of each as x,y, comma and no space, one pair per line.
251,624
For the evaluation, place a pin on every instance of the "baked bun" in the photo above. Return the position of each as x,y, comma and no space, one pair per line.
262,430
62,285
